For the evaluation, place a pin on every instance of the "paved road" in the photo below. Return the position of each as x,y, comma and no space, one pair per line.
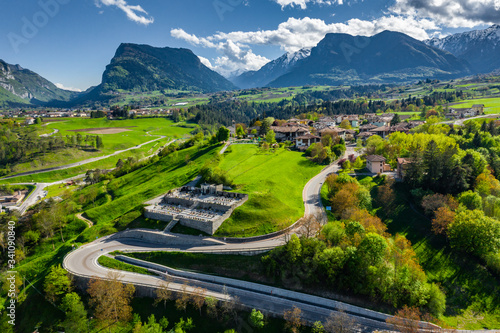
90,160
83,262
460,122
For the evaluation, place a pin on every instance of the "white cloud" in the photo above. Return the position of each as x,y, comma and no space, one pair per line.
454,14
303,3
61,86
206,62
134,13
295,34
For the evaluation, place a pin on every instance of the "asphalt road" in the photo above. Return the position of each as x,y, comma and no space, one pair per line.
83,262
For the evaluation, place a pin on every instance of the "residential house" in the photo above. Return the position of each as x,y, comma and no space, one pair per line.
289,133
29,121
375,163
366,128
382,131
305,141
478,108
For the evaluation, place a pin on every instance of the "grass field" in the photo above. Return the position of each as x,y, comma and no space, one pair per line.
274,182
119,265
139,131
108,163
126,193
491,105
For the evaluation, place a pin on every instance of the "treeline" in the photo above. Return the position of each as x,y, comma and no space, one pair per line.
356,254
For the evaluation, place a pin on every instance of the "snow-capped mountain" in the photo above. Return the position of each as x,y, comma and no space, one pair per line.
481,48
272,70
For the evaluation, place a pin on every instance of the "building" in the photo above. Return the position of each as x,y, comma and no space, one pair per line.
403,164
289,133
305,141
375,163
382,131
478,108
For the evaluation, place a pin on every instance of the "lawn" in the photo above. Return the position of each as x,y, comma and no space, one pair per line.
274,182
491,105
119,265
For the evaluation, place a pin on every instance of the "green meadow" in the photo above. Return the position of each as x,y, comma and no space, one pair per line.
274,182
491,105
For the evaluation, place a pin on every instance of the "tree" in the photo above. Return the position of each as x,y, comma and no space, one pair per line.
198,298
257,319
163,294
93,193
98,142
293,319
223,134
271,137
395,120
211,304
444,217
56,283
473,232
312,224
182,299
346,124
240,131
405,320
111,298
76,315
471,200
340,322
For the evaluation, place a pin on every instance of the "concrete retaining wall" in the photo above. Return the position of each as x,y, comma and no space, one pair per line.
159,237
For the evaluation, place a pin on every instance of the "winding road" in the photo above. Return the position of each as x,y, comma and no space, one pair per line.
83,263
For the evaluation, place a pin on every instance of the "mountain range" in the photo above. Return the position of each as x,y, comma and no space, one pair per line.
480,48
22,87
388,57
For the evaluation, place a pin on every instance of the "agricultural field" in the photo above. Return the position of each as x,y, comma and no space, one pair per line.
116,135
274,182
491,105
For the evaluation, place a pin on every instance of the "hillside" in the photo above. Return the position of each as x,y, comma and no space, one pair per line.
388,57
142,68
481,48
19,86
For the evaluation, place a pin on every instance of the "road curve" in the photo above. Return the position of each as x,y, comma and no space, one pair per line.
82,262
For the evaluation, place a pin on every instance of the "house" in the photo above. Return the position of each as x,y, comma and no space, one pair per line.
478,108
382,131
375,163
336,131
403,164
289,133
366,128
305,141
29,121
327,121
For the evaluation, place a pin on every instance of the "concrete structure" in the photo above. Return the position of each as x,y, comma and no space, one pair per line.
203,209
375,163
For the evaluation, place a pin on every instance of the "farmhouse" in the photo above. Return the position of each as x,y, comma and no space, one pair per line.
375,163
289,133
204,208
307,140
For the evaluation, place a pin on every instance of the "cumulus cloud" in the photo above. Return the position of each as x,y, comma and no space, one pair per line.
61,86
460,13
206,62
303,3
294,34
134,13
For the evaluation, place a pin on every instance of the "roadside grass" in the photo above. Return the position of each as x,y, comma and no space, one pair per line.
274,182
473,292
121,266
180,229
135,219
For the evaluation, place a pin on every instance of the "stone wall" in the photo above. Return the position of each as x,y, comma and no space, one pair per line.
159,216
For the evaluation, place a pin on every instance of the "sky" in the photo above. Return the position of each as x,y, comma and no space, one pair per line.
70,42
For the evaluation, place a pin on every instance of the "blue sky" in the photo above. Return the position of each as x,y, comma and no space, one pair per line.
70,42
